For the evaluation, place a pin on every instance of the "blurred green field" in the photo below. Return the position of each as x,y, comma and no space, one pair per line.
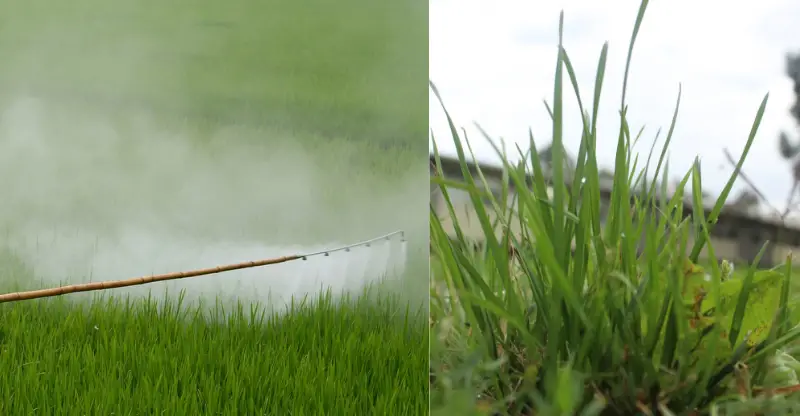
342,82
348,69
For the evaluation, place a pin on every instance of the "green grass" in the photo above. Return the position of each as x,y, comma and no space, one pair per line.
609,329
116,357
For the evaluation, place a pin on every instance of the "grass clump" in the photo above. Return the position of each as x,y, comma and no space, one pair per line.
117,356
627,323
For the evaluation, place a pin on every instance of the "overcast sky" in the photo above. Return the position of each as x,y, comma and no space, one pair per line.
493,62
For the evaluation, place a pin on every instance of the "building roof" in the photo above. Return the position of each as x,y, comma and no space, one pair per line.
451,167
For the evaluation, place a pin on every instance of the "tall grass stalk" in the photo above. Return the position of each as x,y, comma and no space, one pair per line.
574,314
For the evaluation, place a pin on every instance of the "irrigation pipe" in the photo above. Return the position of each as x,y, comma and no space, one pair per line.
113,284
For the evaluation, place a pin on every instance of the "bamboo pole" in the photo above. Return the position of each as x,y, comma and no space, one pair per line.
112,284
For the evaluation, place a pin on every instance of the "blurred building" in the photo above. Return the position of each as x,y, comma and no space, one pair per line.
737,236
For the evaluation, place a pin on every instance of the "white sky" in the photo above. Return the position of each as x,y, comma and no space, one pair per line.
493,62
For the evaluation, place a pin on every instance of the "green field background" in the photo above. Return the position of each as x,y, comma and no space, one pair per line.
347,68
288,122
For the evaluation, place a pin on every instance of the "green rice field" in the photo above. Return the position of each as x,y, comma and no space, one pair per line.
152,137
354,357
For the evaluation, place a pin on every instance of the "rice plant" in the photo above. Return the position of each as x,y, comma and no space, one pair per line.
578,314
357,356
